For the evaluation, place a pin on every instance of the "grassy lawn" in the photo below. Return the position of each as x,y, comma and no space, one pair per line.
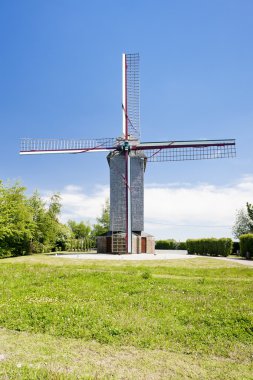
74,319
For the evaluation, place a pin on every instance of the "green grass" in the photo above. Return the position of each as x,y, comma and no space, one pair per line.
178,319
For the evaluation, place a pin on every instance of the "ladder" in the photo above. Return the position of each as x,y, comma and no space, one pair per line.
118,243
118,223
118,237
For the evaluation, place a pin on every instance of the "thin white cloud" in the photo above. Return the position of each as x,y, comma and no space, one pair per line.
171,210
78,205
202,210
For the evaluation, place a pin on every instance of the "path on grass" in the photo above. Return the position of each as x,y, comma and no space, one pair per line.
159,255
238,260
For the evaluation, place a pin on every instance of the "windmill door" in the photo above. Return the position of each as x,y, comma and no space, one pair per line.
108,244
143,245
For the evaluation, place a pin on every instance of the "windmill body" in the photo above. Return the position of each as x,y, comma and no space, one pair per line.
123,208
116,162
127,160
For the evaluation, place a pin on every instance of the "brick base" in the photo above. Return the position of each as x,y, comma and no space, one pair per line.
143,243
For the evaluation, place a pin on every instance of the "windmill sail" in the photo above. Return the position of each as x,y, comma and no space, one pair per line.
45,146
187,150
131,128
131,95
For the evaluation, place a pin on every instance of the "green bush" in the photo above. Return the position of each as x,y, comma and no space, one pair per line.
190,246
170,244
246,246
166,244
236,247
226,246
209,247
146,275
181,245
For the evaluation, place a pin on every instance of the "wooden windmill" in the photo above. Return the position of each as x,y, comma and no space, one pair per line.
127,159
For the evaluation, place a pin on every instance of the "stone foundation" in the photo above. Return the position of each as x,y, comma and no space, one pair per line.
141,243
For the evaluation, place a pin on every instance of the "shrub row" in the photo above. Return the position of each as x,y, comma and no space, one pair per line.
211,247
169,244
236,247
246,246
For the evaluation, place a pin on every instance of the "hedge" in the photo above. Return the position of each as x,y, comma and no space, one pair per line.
169,244
211,247
236,247
246,245
166,244
181,245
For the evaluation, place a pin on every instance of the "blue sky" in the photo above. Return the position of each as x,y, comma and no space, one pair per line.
60,76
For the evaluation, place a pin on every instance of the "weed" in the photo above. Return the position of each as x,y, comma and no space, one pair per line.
146,274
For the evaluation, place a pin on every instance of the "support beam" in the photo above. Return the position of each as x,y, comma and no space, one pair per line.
129,206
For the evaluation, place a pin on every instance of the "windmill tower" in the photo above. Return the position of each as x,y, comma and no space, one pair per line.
127,160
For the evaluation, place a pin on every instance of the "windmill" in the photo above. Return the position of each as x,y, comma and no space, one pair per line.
127,160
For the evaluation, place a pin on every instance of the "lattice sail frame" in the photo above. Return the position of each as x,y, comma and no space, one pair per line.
131,95
188,150
42,146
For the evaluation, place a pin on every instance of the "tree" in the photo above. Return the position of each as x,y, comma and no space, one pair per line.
37,207
29,225
53,226
81,235
48,232
63,237
79,230
250,214
103,222
243,223
16,223
55,206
